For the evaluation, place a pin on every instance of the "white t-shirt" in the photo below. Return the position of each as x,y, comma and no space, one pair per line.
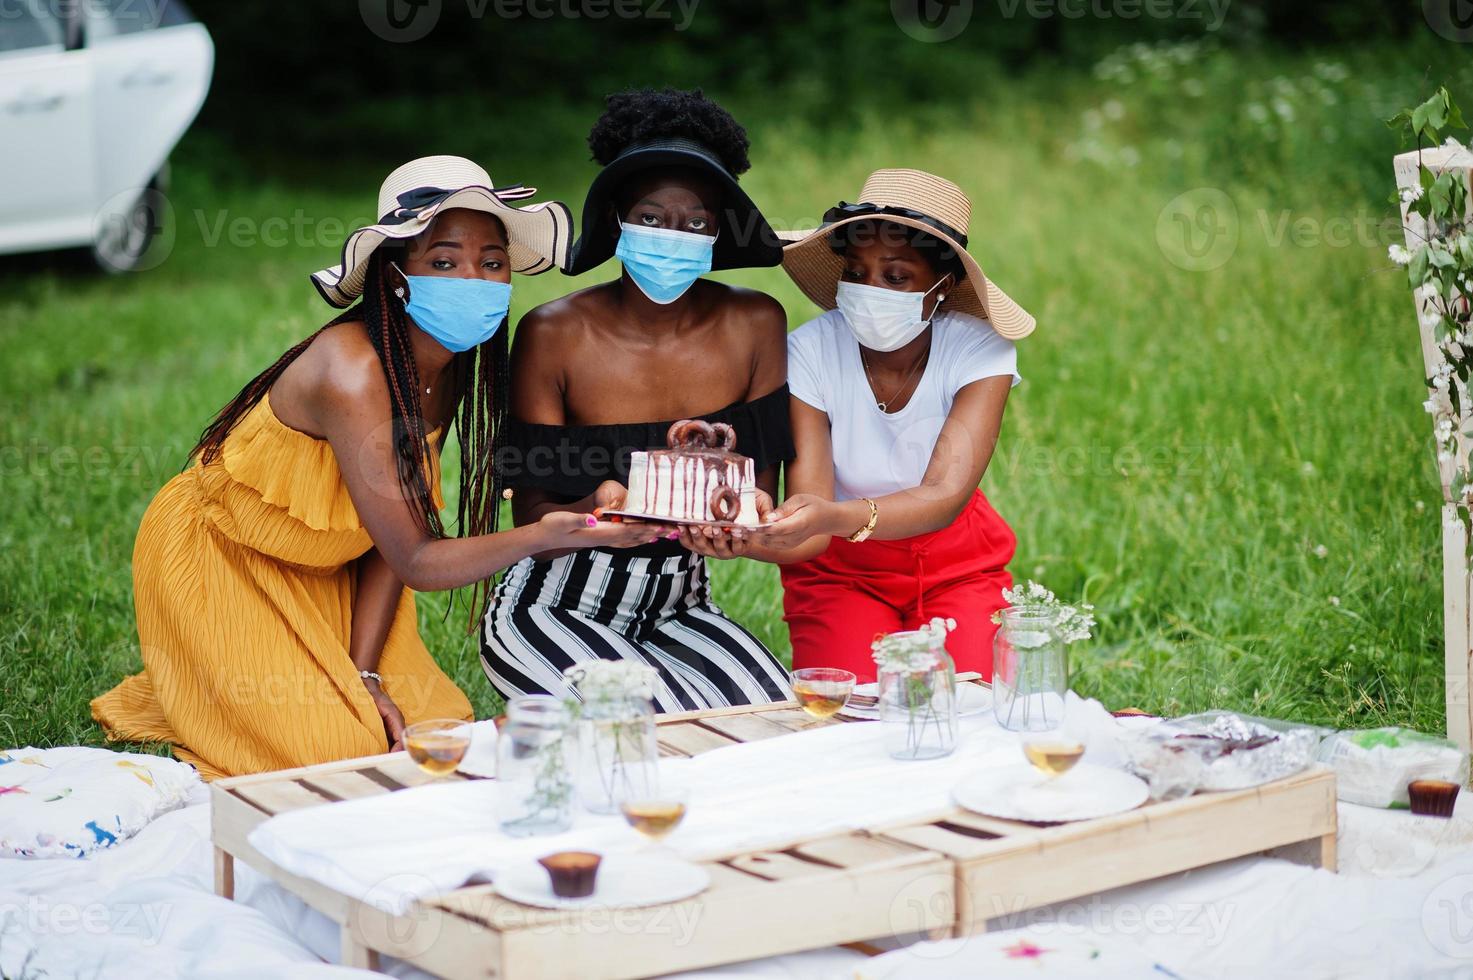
876,453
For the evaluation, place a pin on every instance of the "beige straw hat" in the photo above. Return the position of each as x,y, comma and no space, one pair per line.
914,199
411,197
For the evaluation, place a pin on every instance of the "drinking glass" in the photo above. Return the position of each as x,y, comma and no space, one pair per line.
1052,754
656,814
437,746
822,691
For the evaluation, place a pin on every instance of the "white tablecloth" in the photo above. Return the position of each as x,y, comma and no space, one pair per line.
1399,908
391,849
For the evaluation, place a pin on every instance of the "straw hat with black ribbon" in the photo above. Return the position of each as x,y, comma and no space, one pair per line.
912,199
410,198
744,239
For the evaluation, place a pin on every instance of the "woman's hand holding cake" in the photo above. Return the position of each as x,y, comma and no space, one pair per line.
567,530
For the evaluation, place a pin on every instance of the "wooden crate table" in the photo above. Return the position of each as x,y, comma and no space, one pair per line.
948,873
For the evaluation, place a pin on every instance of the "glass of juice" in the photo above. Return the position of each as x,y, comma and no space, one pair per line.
437,746
822,691
1052,754
656,814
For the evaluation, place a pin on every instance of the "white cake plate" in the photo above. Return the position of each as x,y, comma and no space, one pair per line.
1020,792
677,521
625,881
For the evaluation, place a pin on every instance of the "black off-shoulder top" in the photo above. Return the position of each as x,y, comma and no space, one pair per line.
568,462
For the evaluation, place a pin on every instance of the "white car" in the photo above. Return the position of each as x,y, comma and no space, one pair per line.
94,95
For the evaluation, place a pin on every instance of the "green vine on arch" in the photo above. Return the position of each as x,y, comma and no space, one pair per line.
1440,270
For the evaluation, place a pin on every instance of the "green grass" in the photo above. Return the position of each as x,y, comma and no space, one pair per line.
1231,464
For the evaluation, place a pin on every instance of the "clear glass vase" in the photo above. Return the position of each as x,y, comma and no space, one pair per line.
918,700
534,767
1030,671
617,752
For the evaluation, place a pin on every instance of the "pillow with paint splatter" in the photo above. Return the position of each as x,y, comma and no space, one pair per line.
69,802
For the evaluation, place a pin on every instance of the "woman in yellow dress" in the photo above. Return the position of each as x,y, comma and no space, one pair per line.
273,579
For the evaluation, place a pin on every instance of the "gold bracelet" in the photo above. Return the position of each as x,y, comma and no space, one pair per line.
868,529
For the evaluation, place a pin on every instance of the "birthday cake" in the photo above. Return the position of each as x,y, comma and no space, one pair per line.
698,477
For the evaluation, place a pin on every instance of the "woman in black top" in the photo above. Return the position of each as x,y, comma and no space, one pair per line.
604,371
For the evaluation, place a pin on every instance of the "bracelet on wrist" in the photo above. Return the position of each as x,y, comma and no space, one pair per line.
869,528
366,674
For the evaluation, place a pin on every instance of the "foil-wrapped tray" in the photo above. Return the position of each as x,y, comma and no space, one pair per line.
1220,750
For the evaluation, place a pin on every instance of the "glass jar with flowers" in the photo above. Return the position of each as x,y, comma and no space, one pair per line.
1030,659
534,767
615,720
917,682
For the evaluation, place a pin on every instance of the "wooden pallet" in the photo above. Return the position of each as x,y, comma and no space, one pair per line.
1005,867
946,874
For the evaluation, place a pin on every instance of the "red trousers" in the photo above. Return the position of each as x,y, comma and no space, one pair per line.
837,603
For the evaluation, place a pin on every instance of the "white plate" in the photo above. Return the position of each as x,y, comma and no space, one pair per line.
971,699
677,521
1020,792
625,881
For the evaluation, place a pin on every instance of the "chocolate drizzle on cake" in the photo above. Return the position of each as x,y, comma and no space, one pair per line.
699,474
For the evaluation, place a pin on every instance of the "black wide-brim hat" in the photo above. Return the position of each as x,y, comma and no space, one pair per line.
745,239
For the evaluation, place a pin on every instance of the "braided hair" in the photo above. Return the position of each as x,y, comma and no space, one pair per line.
481,380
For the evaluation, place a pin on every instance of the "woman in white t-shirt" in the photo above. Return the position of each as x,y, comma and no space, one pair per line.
897,398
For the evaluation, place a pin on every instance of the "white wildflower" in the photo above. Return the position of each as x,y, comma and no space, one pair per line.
1411,194
1320,551
1398,253
609,680
1073,623
914,649
1334,600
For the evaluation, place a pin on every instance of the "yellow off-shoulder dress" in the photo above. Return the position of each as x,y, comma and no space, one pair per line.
243,581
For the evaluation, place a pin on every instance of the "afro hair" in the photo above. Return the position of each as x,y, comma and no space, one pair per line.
639,115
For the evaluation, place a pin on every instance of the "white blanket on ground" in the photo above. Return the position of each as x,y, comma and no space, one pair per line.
146,909
1245,918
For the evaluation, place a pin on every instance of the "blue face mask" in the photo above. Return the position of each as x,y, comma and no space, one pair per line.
458,313
663,263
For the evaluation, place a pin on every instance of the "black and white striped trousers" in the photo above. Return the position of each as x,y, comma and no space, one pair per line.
548,615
